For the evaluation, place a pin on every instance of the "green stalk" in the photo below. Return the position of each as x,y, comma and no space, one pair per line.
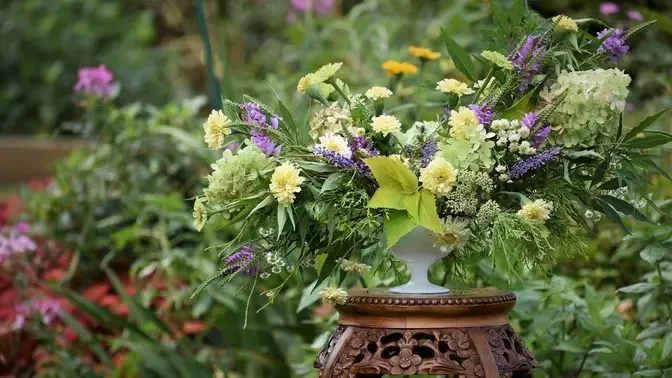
339,90
481,88
213,83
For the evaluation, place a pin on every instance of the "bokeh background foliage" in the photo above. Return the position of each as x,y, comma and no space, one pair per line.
116,246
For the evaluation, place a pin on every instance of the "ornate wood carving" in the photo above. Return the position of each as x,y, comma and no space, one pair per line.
451,349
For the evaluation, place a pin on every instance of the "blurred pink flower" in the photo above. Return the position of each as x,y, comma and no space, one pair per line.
322,7
608,8
96,81
635,15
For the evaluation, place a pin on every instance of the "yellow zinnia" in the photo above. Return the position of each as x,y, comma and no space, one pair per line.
438,176
285,182
423,53
394,68
216,128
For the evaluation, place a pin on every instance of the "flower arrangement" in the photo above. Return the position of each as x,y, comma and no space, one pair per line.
506,167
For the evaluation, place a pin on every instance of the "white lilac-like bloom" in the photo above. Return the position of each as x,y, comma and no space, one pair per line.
488,212
438,176
498,59
386,124
537,211
335,143
333,296
332,119
454,86
235,175
216,129
455,234
378,93
351,266
285,182
594,99
565,23
200,213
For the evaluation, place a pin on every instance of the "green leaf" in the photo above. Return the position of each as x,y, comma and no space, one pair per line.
649,141
626,208
428,217
666,353
412,206
310,295
282,218
86,338
517,12
397,224
499,16
609,211
600,172
653,254
265,202
522,106
388,197
651,166
638,288
654,331
392,173
331,182
460,57
613,184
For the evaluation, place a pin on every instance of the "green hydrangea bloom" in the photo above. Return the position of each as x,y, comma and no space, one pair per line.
236,175
594,99
473,153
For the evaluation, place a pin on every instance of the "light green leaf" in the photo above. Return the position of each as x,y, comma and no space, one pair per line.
388,197
282,218
331,182
265,202
518,11
397,224
652,254
427,214
460,57
412,205
499,16
521,107
638,288
392,172
666,353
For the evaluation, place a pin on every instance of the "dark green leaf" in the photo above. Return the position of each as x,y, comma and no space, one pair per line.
638,288
329,265
499,16
651,167
643,125
625,208
600,172
609,211
517,12
613,184
460,57
649,141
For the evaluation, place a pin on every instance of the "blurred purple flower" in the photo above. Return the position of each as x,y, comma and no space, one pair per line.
23,227
608,8
541,136
529,120
48,309
341,161
484,113
635,15
95,81
614,45
322,7
14,240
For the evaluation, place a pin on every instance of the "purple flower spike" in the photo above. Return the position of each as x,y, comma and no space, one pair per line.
241,260
484,113
95,81
525,166
342,161
527,60
541,136
614,45
252,115
529,120
428,152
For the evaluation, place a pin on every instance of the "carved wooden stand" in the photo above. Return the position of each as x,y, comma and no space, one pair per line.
464,333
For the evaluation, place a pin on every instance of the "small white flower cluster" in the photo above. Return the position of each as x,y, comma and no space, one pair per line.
513,135
593,215
503,173
275,260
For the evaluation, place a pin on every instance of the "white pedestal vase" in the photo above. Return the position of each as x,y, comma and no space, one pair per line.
417,251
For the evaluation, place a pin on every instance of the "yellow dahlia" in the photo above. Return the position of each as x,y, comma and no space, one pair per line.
438,176
285,182
216,128
454,86
386,124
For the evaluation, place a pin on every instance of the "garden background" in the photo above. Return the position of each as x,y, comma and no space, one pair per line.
117,257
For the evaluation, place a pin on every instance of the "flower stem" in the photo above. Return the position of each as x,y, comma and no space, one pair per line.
481,88
339,90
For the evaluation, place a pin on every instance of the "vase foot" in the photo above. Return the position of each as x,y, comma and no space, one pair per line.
415,288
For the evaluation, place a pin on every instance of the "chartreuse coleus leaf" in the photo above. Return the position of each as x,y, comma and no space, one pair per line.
399,191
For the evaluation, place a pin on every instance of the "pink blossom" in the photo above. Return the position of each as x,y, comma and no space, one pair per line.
322,7
635,15
96,81
48,309
607,8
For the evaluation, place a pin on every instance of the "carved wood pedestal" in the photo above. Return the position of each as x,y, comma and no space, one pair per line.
464,333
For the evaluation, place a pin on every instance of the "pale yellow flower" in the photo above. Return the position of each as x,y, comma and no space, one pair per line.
200,213
386,124
459,132
438,176
460,120
565,23
378,93
326,72
498,59
216,129
537,211
285,182
454,86
423,53
333,296
455,234
335,143
350,266
305,83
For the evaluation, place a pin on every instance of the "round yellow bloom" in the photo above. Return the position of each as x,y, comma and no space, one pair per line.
378,93
394,68
454,86
455,234
537,211
423,53
200,213
216,128
565,23
305,83
285,182
386,124
335,143
498,59
333,296
438,176
462,117
326,72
